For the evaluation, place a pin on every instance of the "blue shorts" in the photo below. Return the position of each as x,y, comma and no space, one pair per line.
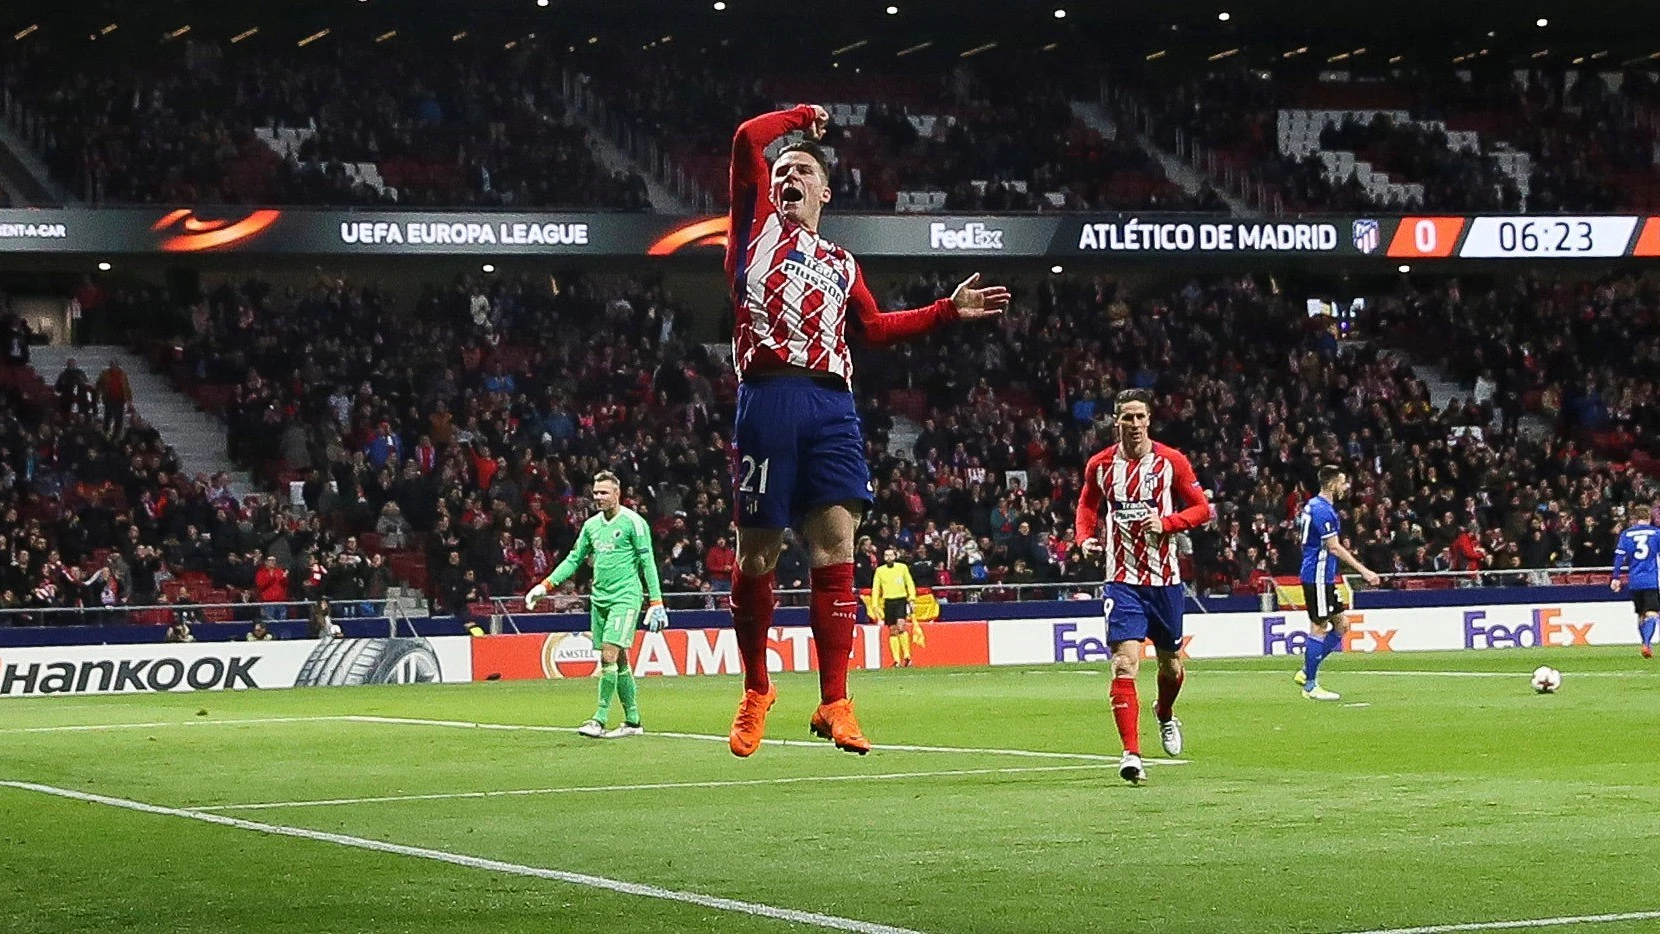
1136,613
796,445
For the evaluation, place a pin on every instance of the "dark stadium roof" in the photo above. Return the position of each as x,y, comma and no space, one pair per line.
799,34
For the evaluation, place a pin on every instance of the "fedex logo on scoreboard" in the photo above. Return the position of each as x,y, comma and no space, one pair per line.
1543,629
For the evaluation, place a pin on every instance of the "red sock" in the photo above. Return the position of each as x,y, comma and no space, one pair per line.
752,604
1169,687
833,614
1126,712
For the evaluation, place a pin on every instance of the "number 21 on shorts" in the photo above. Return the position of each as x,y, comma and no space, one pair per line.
754,478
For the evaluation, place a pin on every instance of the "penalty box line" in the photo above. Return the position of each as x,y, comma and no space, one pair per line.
708,737
654,786
754,909
1522,925
538,728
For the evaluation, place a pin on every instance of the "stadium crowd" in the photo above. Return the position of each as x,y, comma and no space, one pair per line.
178,122
1588,140
94,511
432,449
1000,139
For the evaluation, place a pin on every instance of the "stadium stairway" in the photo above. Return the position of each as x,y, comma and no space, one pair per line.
1094,116
615,160
196,437
28,180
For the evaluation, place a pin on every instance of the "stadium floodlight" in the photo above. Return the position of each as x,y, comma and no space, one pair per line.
541,2
1224,16
720,5
1060,14
892,10
1541,22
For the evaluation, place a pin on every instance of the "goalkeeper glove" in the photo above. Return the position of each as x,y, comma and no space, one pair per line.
657,618
536,593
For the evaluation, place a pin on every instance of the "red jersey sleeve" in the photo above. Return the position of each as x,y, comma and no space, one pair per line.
881,327
749,156
1196,509
1087,524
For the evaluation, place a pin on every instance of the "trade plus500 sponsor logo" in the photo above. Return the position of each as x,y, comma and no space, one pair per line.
1543,630
973,235
128,675
1277,640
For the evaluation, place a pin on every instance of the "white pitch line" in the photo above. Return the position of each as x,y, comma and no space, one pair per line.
754,909
711,738
93,727
1519,925
546,729
1346,672
653,786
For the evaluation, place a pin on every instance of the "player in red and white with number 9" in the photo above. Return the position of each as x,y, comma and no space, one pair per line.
797,452
1137,495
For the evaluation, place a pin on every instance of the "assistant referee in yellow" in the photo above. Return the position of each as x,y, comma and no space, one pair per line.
894,591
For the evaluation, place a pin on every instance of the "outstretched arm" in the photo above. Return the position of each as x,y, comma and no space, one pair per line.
969,301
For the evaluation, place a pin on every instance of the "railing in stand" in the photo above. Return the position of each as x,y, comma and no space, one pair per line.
164,614
1463,580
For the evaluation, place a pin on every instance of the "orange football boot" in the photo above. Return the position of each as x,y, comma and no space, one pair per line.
836,723
751,722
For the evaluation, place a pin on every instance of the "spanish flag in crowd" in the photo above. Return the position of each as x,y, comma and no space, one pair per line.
1288,593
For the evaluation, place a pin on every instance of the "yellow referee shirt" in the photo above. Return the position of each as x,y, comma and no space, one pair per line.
892,583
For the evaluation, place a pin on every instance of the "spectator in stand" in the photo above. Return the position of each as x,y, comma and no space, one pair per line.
322,624
186,614
271,581
377,580
14,338
115,393
75,394
718,563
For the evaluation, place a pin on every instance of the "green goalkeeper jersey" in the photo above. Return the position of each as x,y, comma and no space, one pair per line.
621,549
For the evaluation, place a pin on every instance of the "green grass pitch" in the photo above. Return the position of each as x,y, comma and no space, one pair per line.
1442,791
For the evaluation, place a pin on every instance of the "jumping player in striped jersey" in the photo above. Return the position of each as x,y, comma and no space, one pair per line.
797,453
1137,495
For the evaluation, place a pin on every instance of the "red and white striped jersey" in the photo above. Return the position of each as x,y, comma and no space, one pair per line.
1119,493
791,288
792,298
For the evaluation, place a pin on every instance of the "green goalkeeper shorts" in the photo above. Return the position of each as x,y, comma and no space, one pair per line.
613,623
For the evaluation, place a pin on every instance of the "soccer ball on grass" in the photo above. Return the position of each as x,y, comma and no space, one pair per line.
1546,679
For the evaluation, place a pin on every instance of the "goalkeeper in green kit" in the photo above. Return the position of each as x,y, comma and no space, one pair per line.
619,541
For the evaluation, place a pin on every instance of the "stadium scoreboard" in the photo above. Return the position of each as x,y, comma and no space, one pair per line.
1546,236
1148,237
